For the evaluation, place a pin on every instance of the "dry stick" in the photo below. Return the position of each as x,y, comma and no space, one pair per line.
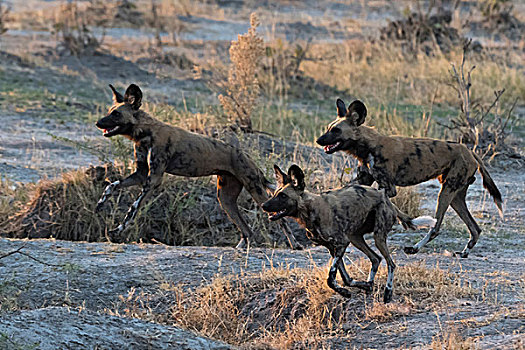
19,251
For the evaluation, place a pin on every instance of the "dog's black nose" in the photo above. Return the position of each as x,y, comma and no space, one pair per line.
264,206
320,140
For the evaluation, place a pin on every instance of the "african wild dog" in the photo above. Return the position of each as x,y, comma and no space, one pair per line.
161,148
336,218
406,161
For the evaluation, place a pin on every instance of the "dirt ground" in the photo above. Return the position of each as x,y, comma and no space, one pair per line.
76,289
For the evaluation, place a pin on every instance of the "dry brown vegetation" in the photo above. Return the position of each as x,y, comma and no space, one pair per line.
285,87
293,308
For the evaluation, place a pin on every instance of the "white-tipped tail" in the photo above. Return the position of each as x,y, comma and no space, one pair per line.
423,221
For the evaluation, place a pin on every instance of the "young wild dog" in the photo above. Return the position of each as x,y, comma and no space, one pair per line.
407,161
336,218
161,148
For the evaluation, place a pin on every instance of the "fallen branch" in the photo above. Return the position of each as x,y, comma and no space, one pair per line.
19,251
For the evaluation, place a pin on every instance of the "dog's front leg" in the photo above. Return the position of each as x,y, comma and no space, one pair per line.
332,282
383,178
137,178
363,177
153,181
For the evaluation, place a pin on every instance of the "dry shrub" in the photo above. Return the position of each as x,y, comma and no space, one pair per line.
422,32
73,26
183,211
294,308
408,200
4,14
451,340
242,88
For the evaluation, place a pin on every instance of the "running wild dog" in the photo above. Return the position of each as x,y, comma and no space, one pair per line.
406,161
161,148
336,218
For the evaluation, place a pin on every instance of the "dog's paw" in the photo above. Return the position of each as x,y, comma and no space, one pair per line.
462,255
387,297
410,250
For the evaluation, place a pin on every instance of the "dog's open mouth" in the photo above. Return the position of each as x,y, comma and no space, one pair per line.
277,215
111,131
332,148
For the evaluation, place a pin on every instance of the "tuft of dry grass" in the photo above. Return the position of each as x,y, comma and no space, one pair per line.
408,200
450,339
291,308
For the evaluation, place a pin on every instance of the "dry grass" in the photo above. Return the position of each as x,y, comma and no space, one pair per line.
408,200
292,308
451,340
242,89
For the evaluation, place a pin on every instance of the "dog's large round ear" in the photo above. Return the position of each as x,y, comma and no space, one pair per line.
280,176
117,97
297,177
341,109
133,96
356,113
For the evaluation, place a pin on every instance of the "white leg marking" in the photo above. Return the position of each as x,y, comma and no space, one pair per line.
390,278
424,241
371,275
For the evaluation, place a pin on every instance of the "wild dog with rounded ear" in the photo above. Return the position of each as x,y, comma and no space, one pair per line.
405,161
161,148
336,218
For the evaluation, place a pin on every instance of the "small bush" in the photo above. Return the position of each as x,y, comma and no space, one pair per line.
408,200
4,13
242,88
73,27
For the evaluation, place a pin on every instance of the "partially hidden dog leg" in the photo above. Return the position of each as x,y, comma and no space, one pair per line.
289,236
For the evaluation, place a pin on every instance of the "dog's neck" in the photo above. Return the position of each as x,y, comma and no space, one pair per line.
142,130
365,145
304,207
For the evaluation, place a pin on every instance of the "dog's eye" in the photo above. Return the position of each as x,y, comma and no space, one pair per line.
336,130
282,196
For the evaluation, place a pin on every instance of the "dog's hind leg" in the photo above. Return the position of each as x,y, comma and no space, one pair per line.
380,240
359,242
445,197
228,190
460,206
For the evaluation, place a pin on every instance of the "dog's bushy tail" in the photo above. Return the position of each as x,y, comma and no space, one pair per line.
489,185
414,224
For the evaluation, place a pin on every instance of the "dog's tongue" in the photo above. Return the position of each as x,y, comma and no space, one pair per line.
326,148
